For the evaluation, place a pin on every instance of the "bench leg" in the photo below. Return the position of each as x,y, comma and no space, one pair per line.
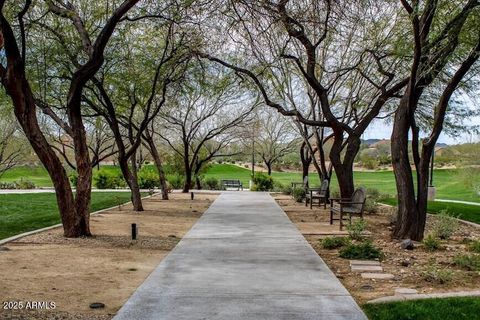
311,202
331,217
341,220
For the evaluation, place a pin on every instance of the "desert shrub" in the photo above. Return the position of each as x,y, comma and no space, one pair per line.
470,262
437,275
8,185
287,189
370,163
73,177
363,251
431,243
262,182
445,225
474,246
334,242
373,193
299,194
105,179
24,184
148,179
278,186
246,166
212,183
356,228
176,181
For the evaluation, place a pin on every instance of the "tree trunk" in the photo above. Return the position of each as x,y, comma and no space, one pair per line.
344,170
188,180
198,182
407,225
75,222
159,165
132,182
269,168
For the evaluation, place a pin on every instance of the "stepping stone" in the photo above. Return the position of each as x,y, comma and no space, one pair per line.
404,291
364,262
383,276
367,268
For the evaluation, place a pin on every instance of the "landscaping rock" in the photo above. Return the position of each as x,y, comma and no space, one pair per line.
366,268
4,249
366,287
364,263
97,305
407,244
380,276
403,291
406,263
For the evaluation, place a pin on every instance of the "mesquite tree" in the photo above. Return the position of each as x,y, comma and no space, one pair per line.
130,106
445,39
341,51
74,210
275,138
200,118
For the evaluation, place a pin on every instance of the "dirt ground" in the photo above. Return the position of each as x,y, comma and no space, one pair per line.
106,268
408,266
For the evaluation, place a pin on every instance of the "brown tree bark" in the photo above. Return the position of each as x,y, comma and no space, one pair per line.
152,148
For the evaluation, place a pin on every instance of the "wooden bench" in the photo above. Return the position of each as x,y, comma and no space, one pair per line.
318,193
348,206
233,183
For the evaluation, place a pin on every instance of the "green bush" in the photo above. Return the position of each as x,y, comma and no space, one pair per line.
363,251
356,228
330,243
469,262
438,275
445,225
105,179
176,181
8,185
262,182
431,243
299,194
212,183
474,246
278,186
24,184
148,179
73,177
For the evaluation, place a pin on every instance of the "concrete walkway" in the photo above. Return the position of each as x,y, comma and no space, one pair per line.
244,259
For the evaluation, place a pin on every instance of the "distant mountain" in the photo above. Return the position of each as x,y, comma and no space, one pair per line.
370,142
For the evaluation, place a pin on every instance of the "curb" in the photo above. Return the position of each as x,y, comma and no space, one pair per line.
421,296
28,233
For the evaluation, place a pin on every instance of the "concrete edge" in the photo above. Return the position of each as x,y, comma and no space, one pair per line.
28,233
420,296
469,223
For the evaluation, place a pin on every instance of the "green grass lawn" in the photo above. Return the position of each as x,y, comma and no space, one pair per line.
447,181
465,308
25,212
462,211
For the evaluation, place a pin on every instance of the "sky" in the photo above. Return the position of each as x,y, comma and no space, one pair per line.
381,130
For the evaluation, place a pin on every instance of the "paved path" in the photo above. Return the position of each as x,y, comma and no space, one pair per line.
243,259
459,201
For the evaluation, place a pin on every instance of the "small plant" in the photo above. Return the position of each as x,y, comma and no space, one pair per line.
330,243
356,229
25,184
363,251
299,194
262,182
105,179
474,246
212,183
445,225
431,243
176,181
73,177
148,179
469,262
437,275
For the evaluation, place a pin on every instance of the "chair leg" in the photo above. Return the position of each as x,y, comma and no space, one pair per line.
306,201
331,217
341,220
311,202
